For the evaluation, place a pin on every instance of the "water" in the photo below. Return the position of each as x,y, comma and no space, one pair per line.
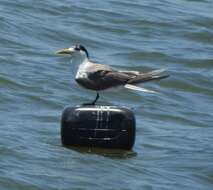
174,146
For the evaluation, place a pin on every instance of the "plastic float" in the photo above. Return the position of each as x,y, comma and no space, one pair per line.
98,126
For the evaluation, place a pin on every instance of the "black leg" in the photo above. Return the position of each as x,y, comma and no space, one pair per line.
96,98
94,101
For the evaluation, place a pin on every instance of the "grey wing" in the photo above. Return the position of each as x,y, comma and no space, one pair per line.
94,67
103,79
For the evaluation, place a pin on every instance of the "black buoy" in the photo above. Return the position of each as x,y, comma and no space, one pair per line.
98,126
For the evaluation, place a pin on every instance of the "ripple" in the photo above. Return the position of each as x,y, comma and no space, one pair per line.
203,36
174,133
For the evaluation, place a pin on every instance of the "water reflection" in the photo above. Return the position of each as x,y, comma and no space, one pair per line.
111,153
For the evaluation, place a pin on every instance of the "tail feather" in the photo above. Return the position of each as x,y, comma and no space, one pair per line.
149,76
157,71
133,87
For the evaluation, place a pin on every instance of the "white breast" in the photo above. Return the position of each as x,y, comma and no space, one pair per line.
81,75
82,71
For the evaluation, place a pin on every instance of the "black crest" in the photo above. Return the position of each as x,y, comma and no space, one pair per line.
79,47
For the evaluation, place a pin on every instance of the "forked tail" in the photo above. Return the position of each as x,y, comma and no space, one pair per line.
133,87
145,77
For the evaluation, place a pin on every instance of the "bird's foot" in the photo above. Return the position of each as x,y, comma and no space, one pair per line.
88,104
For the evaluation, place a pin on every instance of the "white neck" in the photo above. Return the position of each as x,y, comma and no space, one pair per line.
77,62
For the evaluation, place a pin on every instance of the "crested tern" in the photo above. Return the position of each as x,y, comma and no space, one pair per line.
99,77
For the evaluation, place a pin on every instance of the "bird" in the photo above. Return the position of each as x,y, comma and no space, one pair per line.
98,77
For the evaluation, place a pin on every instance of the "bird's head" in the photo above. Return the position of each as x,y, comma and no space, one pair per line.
78,50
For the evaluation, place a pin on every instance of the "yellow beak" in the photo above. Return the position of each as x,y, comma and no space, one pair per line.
65,51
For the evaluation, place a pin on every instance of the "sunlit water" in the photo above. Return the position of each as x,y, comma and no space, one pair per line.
174,139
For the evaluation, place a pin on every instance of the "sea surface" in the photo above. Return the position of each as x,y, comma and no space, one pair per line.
174,137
